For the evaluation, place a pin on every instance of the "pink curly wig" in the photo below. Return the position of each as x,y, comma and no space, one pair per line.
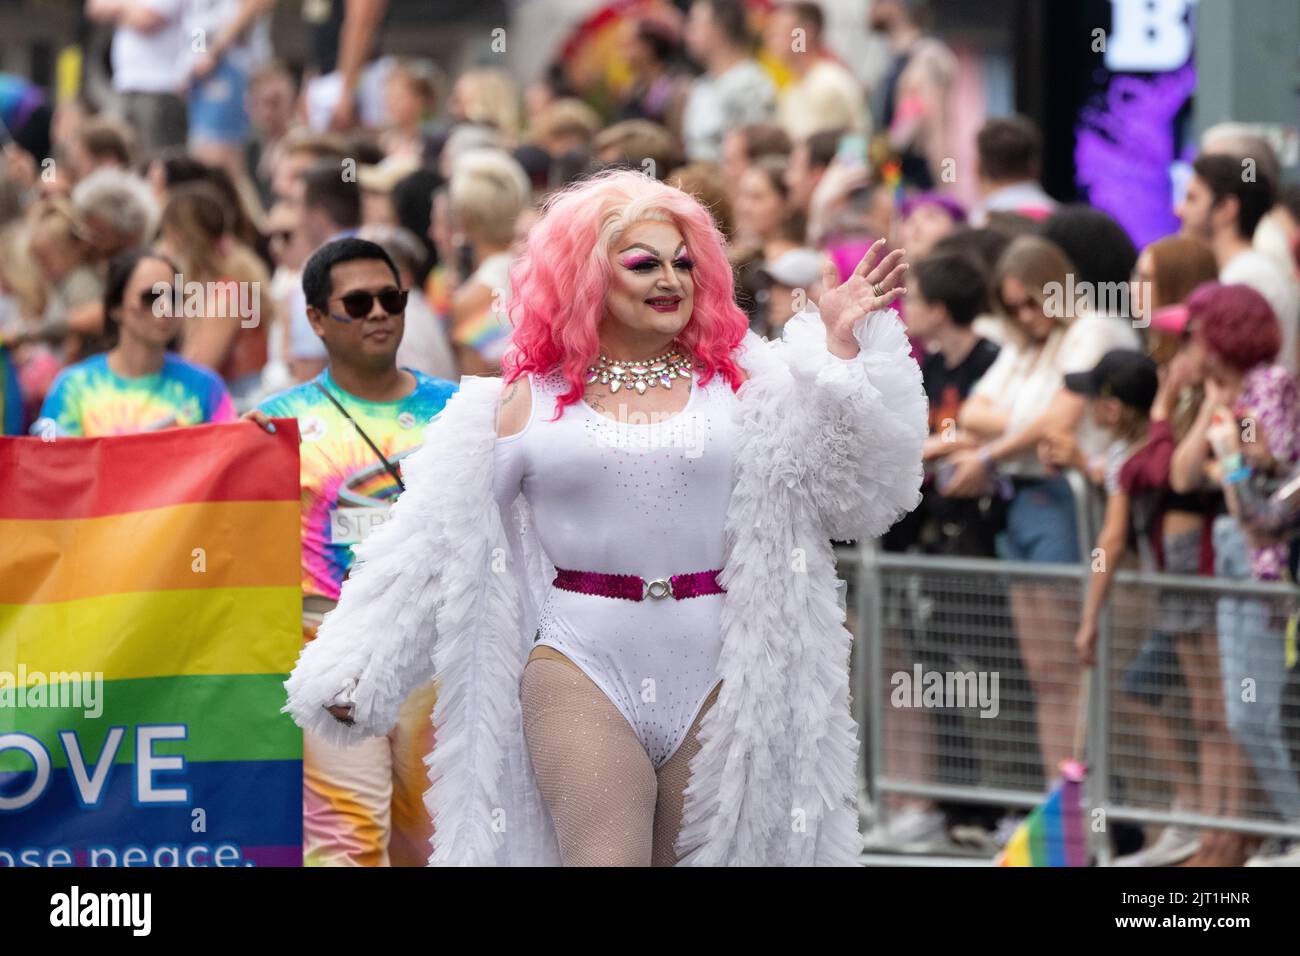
560,282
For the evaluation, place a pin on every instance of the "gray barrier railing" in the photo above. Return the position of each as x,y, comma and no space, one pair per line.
1184,725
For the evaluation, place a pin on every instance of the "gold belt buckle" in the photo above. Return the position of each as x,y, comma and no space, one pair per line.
658,589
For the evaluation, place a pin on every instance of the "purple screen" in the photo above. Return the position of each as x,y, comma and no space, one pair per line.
1125,148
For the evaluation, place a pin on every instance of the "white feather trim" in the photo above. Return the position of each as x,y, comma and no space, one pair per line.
382,632
477,792
867,421
825,448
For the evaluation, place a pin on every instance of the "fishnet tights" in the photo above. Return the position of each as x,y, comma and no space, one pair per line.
609,805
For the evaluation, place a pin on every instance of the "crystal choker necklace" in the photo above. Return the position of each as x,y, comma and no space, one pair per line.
649,373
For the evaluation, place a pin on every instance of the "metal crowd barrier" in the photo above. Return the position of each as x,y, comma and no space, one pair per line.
1182,726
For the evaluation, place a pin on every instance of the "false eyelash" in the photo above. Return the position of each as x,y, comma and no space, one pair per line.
648,264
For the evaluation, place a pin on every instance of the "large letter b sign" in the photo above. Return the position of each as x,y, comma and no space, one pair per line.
1148,36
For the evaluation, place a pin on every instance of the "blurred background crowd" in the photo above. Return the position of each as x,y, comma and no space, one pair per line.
1069,312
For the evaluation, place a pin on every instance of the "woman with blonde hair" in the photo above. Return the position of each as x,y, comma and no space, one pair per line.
29,364
1020,402
487,193
487,96
227,320
64,257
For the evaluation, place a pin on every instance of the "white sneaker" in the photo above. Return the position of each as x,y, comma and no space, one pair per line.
973,837
911,830
1175,844
1287,856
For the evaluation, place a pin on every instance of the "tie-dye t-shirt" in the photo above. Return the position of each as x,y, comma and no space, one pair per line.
346,490
90,400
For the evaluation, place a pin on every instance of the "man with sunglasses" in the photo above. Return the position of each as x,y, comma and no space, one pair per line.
358,418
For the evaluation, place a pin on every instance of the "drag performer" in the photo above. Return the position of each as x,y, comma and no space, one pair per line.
617,560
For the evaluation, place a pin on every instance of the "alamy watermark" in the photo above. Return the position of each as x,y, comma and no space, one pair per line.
218,300
651,431
82,690
1071,299
946,689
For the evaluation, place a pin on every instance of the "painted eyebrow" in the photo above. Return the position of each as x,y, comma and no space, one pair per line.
654,252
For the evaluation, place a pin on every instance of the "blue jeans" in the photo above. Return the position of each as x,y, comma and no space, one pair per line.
216,106
1252,647
1041,524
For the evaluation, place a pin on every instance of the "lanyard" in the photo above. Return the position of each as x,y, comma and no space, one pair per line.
388,465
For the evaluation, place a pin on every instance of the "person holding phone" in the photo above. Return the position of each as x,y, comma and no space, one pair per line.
1266,513
487,193
1236,342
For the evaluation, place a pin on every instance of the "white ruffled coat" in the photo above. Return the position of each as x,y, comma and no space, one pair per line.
826,449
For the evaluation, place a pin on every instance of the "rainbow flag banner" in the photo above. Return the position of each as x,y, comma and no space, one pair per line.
1053,834
149,612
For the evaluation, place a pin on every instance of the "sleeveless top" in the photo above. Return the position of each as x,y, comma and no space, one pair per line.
630,497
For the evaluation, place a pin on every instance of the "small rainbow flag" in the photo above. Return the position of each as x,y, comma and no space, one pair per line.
488,329
149,612
1053,833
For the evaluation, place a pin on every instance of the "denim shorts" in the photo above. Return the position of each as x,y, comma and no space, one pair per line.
217,113
1154,670
1041,524
1185,612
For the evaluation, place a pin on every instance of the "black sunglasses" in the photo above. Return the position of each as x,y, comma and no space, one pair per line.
358,304
149,297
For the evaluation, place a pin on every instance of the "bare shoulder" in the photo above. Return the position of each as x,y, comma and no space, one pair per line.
514,408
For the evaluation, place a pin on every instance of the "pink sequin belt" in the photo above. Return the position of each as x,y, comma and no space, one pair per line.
633,587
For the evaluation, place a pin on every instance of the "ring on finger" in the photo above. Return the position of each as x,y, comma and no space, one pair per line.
878,290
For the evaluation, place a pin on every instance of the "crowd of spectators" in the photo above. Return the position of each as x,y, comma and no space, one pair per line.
1165,376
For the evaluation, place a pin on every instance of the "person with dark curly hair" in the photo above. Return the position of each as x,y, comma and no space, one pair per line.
1102,253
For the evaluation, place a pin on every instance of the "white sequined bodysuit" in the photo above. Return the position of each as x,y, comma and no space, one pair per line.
626,497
